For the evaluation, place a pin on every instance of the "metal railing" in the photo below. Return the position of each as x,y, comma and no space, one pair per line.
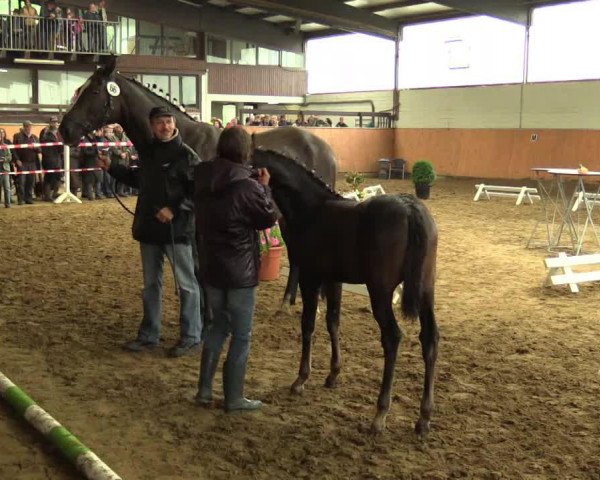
40,34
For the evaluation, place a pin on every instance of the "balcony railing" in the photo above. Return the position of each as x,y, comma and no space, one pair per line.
39,34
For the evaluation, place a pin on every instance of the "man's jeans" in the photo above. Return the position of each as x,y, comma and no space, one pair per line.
190,318
232,310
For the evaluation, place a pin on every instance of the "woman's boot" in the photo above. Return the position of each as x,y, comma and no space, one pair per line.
234,375
208,367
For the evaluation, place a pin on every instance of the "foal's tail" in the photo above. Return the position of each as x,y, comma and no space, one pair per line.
414,260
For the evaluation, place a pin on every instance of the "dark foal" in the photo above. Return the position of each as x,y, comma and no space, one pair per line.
381,242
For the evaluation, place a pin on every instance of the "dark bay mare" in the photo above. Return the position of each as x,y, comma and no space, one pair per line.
381,242
99,103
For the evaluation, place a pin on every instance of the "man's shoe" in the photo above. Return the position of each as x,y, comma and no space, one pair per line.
140,346
29,202
182,349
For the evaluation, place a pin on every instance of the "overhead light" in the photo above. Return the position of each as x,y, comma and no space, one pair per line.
3,70
187,2
39,61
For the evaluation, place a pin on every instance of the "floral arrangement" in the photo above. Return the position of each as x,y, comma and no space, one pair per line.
271,237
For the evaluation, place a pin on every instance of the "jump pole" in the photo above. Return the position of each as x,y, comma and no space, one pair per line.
69,445
67,196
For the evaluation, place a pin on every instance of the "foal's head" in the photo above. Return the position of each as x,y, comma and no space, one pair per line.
297,190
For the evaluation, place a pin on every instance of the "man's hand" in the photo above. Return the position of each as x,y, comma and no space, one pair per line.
103,162
165,215
263,176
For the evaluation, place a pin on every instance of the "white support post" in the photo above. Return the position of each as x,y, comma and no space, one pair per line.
67,196
479,192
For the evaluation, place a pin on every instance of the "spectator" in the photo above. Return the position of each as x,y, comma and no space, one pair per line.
164,225
27,161
103,41
6,166
329,122
29,22
48,25
283,121
92,181
218,123
121,156
51,159
232,208
92,27
105,134
341,123
232,123
73,29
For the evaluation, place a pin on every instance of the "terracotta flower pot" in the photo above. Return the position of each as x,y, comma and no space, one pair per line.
269,264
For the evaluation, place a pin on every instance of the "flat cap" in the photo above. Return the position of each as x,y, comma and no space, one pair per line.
27,123
160,112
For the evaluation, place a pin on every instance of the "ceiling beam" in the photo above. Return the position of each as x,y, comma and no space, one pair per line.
336,14
509,10
207,18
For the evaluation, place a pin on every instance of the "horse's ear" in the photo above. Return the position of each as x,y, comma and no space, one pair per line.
110,66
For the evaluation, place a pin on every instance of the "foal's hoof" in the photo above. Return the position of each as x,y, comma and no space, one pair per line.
297,388
422,428
285,308
331,381
378,425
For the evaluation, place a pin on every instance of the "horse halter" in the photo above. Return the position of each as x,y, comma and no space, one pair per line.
108,108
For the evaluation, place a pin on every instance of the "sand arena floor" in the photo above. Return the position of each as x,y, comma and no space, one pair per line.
517,393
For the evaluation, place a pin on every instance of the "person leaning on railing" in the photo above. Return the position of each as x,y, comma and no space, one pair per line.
29,24
92,27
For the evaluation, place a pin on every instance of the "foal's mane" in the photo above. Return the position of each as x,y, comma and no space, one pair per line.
310,174
154,94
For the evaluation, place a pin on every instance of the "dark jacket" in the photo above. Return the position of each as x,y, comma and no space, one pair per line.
88,155
28,156
165,179
231,207
51,156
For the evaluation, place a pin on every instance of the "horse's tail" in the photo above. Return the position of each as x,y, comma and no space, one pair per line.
416,253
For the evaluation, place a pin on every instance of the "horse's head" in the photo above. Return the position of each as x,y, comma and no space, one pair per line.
94,104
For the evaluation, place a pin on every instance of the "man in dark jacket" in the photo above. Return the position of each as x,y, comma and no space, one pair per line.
92,181
164,225
51,159
26,158
232,206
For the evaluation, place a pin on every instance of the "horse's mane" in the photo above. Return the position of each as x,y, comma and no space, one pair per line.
154,94
311,174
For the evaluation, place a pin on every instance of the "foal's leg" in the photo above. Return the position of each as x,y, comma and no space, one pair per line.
310,296
333,292
429,337
381,303
291,289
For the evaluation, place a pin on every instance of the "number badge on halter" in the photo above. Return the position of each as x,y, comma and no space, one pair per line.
113,89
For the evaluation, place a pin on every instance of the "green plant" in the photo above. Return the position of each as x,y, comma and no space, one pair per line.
271,237
423,173
354,179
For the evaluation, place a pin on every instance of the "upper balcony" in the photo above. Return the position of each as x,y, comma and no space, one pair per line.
52,36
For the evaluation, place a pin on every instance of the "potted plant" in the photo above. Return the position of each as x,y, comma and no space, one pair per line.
355,180
271,247
423,176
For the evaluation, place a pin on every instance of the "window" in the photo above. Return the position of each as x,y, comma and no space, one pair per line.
127,35
15,86
267,56
160,81
189,90
216,50
243,53
5,7
292,60
57,88
464,51
150,38
561,40
179,43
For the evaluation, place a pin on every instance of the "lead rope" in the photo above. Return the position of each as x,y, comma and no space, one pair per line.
174,261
